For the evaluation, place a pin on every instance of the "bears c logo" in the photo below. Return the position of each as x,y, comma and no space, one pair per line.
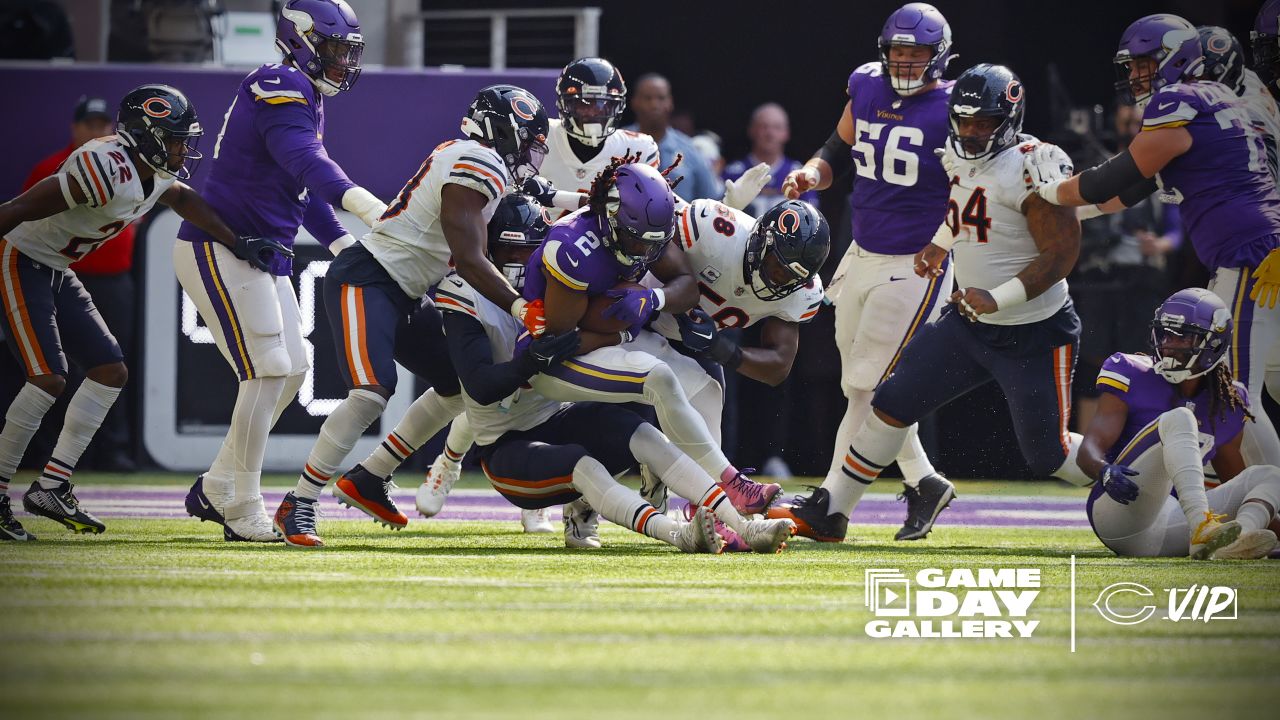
523,107
1217,43
157,107
789,221
1013,92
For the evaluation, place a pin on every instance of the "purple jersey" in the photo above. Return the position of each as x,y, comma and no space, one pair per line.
770,194
900,193
573,253
1133,379
270,172
1228,201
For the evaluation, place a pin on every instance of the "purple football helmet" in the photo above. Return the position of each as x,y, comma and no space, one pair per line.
1265,39
1171,42
915,24
641,213
322,38
1190,334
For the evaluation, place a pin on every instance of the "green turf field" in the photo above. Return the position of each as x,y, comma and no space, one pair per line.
471,619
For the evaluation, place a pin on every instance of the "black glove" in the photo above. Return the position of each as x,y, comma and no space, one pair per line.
260,252
725,351
540,189
548,350
697,330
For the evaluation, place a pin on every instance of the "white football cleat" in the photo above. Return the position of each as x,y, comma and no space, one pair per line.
435,489
247,521
581,525
219,493
699,535
536,521
1252,545
1211,535
768,536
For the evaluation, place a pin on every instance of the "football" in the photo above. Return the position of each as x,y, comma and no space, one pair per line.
595,319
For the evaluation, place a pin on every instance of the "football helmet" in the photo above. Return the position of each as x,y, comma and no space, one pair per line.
512,122
519,222
1265,42
1223,57
160,124
322,38
986,91
1171,42
787,247
590,97
915,24
1190,334
641,213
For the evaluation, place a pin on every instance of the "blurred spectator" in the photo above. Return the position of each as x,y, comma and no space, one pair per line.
34,30
652,104
1123,274
707,144
683,120
107,273
769,131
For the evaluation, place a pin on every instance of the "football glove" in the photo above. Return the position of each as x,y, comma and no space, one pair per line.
540,189
1267,288
547,351
260,252
1046,163
739,193
532,314
1115,481
633,307
951,162
697,330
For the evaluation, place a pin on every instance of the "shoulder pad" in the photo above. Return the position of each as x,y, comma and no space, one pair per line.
278,85
477,167
1173,105
1117,373
100,169
453,294
565,262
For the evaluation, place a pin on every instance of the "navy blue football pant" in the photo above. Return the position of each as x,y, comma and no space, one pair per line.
1032,363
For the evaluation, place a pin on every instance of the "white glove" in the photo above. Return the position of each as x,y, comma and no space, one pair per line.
952,163
363,205
1047,163
800,181
739,193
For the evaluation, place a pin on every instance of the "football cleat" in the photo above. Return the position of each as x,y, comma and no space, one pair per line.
435,489
10,528
733,542
247,521
295,521
581,525
811,517
768,537
924,503
750,497
536,521
1252,545
698,534
1211,535
370,494
60,504
652,489
206,501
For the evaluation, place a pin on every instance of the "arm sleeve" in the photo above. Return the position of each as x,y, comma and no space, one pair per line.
289,133
321,221
485,381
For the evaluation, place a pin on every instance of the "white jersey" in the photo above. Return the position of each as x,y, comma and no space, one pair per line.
714,237
408,240
563,168
521,410
1265,116
993,242
115,197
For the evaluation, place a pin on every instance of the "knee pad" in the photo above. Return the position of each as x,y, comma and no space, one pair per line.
274,361
368,400
662,380
1177,422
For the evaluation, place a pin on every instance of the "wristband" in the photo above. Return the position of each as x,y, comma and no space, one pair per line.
726,352
1009,293
1089,212
1049,191
567,200
341,244
517,308
659,299
943,237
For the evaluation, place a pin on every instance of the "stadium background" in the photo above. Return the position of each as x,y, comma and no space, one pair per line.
723,59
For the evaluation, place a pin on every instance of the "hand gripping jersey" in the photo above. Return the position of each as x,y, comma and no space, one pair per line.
270,173
900,190
408,240
523,409
1265,116
104,172
575,256
993,242
1228,200
563,168
714,237
1133,379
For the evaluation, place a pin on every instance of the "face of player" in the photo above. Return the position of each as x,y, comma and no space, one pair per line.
339,58
512,261
1141,71
975,133
652,103
1179,348
179,148
769,132
909,62
89,128
775,273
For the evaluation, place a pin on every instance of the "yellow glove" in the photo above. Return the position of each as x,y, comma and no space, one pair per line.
1267,288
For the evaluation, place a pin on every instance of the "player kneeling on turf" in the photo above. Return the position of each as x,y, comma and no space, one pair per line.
1159,420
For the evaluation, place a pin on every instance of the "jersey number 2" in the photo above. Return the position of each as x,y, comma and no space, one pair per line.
78,247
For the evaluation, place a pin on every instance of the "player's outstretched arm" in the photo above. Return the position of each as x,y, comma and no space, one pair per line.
1128,175
488,382
462,219
831,160
1056,231
191,207
771,362
43,200
1102,433
679,286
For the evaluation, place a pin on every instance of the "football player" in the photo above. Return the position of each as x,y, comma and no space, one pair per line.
1264,40
895,118
1146,441
1011,321
372,290
1199,146
104,185
539,452
1224,63
270,175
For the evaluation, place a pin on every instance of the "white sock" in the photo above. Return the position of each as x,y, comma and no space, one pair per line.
1181,441
85,413
21,421
461,438
682,475
1262,502
682,424
1254,514
250,427
338,435
912,461
855,414
1070,470
619,504
424,418
873,448
223,467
